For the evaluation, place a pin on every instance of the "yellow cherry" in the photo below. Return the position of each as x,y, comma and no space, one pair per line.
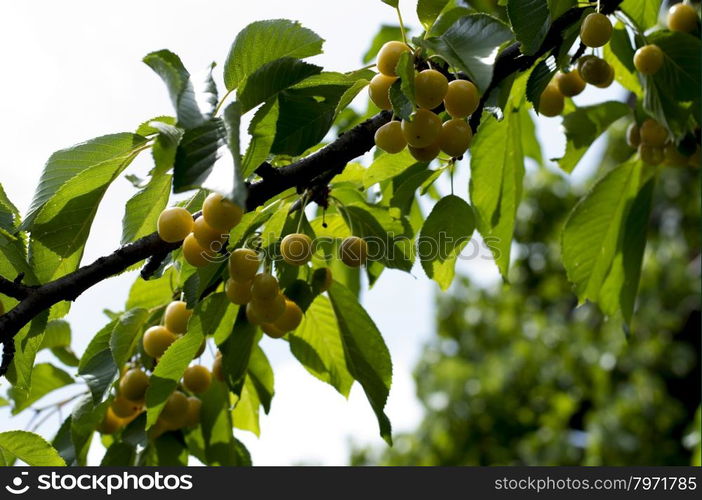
157,340
238,292
195,255
648,59
174,224
177,316
455,137
422,129
296,249
596,30
353,251
378,89
388,56
682,17
221,214
551,102
461,98
430,87
243,264
390,138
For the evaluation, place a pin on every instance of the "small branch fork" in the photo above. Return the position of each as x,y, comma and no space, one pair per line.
306,173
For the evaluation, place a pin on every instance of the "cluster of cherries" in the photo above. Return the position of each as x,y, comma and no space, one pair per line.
424,132
596,31
650,138
266,306
180,410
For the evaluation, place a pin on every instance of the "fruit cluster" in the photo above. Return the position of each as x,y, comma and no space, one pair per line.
424,132
180,410
655,148
595,31
266,305
204,237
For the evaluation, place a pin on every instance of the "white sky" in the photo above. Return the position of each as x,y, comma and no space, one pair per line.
73,71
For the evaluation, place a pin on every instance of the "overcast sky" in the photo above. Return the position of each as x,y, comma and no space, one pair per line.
73,71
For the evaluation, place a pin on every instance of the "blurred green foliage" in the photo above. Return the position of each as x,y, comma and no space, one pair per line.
519,374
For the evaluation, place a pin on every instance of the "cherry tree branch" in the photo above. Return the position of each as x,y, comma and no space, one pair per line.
305,173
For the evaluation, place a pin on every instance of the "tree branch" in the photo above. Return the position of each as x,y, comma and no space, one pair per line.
307,172
15,289
511,60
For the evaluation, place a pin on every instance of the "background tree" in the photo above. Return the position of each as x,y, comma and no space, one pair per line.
519,376
212,273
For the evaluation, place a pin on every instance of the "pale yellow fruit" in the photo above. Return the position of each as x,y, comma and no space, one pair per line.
174,224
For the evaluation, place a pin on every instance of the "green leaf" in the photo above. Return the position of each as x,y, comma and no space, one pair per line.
530,142
679,78
27,343
593,234
584,125
391,3
61,226
405,70
116,150
366,354
559,7
429,10
236,352
97,365
165,146
180,88
99,373
84,420
497,172
57,334
386,166
63,442
262,130
119,454
303,121
619,290
445,233
620,55
260,373
403,194
197,152
385,34
448,18
142,210
317,344
531,20
31,448
208,91
246,409
273,77
643,12
265,41
221,447
539,78
232,123
169,371
205,320
126,334
471,44
152,293
46,378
